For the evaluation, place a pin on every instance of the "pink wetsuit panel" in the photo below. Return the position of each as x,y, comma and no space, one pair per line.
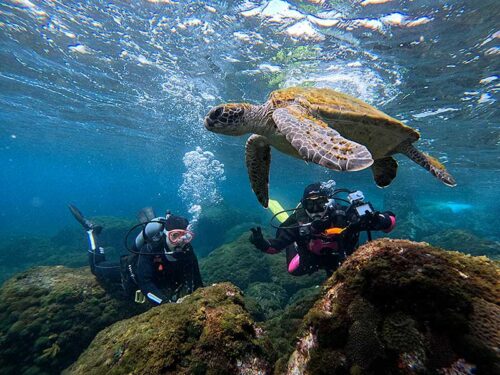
294,263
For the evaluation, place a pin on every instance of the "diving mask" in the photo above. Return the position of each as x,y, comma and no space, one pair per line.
179,237
315,206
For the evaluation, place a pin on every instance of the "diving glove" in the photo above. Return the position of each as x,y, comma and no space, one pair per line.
258,240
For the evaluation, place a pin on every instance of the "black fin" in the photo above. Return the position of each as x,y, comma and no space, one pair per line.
77,214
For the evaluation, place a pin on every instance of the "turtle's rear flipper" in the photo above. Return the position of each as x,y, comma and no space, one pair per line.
316,142
258,161
428,162
384,171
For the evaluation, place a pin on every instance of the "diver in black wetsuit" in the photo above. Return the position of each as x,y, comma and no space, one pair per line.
321,232
163,264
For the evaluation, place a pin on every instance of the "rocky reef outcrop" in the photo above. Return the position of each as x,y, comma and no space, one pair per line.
260,276
208,332
393,307
400,307
223,220
49,315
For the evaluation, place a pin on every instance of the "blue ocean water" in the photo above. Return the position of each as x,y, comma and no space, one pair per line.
102,102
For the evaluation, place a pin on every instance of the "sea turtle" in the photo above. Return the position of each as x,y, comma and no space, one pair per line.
324,126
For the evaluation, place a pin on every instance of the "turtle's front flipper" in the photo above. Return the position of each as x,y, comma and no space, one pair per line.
384,171
316,142
428,162
258,160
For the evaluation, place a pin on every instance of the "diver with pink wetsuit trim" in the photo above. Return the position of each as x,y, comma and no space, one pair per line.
321,232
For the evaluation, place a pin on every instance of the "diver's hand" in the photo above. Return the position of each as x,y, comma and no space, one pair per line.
370,219
258,240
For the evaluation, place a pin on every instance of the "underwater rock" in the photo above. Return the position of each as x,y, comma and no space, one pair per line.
414,228
270,297
214,227
207,332
283,328
49,315
401,307
465,241
240,263
237,262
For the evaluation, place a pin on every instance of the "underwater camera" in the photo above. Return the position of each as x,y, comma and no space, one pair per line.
357,201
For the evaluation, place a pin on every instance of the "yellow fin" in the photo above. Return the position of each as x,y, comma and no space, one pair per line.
275,207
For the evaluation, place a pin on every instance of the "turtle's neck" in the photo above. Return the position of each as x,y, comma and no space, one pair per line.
259,117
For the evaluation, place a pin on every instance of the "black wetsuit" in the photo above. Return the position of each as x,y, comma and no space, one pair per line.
308,249
159,278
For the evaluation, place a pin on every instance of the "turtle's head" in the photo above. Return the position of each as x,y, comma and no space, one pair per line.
229,119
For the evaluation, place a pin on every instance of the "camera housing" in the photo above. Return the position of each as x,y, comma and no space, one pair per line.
358,205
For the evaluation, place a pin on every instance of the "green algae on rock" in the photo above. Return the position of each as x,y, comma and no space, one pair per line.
282,329
223,220
271,297
240,263
207,332
49,315
400,307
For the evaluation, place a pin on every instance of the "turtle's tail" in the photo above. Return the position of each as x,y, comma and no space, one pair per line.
428,162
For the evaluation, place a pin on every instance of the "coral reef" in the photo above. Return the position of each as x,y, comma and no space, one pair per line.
400,307
49,315
283,328
465,241
215,227
18,253
68,247
208,332
270,297
270,292
393,307
241,264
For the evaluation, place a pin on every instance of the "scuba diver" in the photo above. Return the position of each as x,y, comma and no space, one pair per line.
162,264
321,232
